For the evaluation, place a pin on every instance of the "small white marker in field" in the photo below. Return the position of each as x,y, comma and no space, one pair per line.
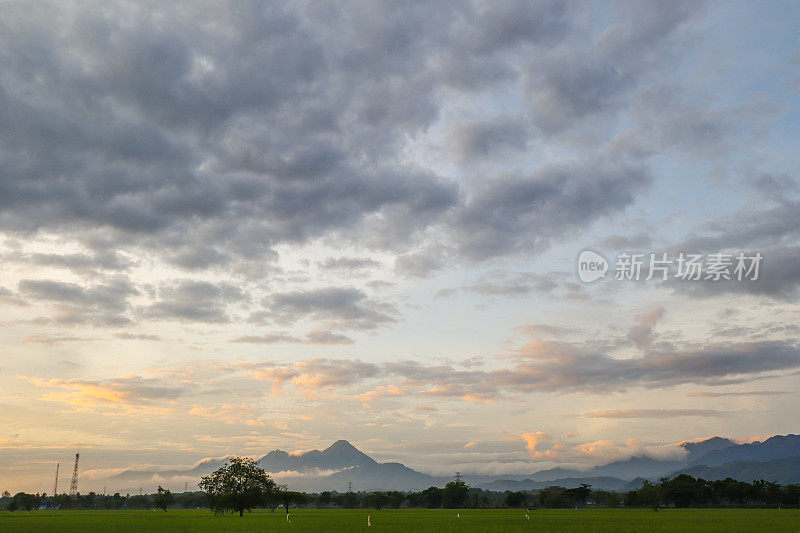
369,522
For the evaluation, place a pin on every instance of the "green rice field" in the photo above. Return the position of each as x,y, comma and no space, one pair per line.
408,520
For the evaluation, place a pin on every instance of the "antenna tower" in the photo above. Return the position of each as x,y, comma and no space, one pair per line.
458,477
55,483
73,485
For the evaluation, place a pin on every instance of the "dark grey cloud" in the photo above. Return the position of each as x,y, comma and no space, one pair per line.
530,212
642,333
479,139
327,337
312,337
341,307
312,374
514,285
184,149
668,118
559,367
271,338
756,331
554,367
501,283
104,303
199,258
639,241
585,80
194,301
351,265
421,263
81,263
226,131
9,297
776,185
773,231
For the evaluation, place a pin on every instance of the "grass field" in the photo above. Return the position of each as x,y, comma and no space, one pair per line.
408,521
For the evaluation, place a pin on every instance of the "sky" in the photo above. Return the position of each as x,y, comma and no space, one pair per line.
231,227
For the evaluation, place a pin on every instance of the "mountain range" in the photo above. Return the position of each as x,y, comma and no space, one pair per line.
774,459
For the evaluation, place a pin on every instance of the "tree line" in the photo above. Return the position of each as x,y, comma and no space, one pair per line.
241,485
687,491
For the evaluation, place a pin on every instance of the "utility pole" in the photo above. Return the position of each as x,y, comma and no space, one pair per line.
185,486
349,486
458,477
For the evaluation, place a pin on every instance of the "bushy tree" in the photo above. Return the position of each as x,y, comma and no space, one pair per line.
21,501
649,494
516,499
239,486
431,497
579,494
555,497
454,494
378,500
289,497
163,498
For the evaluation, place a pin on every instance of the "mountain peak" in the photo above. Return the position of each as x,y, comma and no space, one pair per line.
340,445
339,455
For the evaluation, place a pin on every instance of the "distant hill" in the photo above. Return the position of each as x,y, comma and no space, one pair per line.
777,447
604,483
383,476
330,469
783,471
695,450
774,459
634,467
640,466
714,458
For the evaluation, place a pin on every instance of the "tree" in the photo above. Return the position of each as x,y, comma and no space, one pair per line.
288,497
378,500
431,497
396,498
25,501
579,494
163,498
516,499
650,494
454,494
555,497
239,486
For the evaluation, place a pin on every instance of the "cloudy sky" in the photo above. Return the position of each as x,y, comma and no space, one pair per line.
226,229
